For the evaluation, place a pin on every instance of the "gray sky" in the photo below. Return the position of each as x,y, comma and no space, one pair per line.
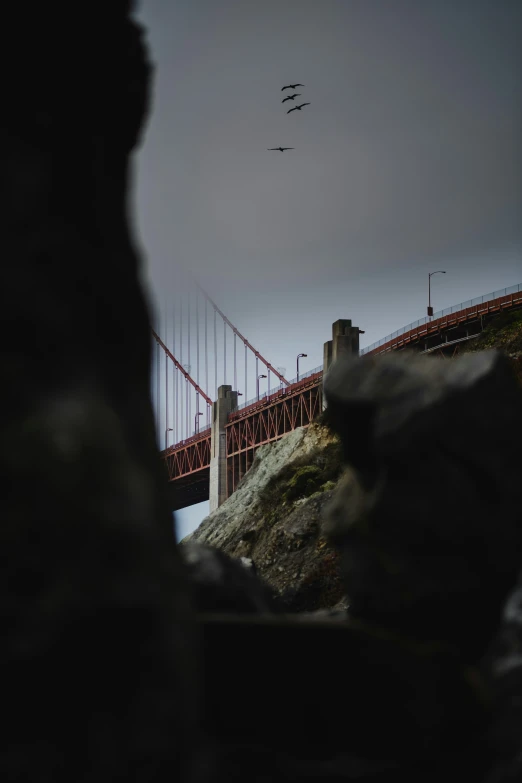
409,159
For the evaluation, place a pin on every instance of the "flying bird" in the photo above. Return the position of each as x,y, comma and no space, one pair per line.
291,97
297,107
281,149
291,86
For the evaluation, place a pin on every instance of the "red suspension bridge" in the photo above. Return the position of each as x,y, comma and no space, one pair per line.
209,435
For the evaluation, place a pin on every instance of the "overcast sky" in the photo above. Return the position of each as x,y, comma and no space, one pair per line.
409,159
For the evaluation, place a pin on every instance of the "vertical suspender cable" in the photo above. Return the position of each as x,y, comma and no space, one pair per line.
189,368
174,383
181,409
197,362
206,348
197,341
224,352
215,357
166,399
235,364
246,357
206,362
158,369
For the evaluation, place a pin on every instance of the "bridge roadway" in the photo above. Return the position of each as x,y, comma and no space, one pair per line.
277,413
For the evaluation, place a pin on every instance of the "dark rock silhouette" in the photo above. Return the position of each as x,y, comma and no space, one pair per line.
428,519
106,672
99,665
222,584
503,669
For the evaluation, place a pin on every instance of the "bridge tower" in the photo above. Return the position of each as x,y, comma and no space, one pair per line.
225,404
344,342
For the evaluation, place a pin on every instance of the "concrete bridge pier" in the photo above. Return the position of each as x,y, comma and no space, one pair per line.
345,341
225,404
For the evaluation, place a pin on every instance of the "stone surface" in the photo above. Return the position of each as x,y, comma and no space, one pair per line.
503,668
99,665
222,584
428,515
316,698
102,673
274,519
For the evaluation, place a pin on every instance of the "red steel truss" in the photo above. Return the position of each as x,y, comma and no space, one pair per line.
188,468
269,422
451,320
188,456
188,462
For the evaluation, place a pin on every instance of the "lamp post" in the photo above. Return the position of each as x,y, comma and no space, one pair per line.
169,429
196,422
438,272
258,377
300,356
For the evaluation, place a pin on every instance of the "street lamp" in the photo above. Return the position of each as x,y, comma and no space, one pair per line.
169,429
300,356
438,272
258,377
196,422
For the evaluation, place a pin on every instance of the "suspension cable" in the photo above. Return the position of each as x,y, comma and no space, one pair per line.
235,364
206,346
166,399
197,340
182,407
158,379
236,331
189,367
185,374
174,383
215,356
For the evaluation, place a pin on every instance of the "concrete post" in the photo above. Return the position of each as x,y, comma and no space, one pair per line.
225,404
345,341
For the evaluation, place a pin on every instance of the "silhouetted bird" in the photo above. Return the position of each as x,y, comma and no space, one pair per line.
291,97
297,107
291,86
281,149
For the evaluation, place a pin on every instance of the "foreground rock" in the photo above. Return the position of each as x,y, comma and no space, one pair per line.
437,562
429,517
504,332
221,584
503,669
274,518
100,674
103,672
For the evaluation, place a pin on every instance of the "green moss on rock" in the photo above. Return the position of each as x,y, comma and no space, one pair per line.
317,471
504,332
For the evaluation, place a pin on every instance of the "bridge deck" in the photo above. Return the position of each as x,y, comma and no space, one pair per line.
275,415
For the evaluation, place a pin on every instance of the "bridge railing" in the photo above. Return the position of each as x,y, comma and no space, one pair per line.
196,436
441,313
280,389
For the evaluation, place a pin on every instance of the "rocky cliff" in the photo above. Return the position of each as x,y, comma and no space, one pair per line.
503,332
274,518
